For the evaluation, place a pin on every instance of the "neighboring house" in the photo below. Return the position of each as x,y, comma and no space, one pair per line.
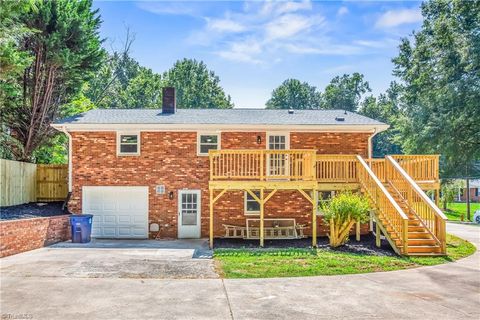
474,191
243,173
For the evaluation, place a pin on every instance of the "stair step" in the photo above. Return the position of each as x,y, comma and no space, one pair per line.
422,242
414,223
423,249
416,229
419,235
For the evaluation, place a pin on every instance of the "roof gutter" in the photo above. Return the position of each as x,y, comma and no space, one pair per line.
64,130
370,143
221,127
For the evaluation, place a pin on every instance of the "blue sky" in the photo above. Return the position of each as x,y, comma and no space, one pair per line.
253,46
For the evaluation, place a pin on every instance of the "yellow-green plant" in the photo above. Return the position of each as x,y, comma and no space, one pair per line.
342,212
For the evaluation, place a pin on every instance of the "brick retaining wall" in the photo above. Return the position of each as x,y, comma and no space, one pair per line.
27,234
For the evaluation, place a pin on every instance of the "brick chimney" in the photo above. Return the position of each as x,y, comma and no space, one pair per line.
168,100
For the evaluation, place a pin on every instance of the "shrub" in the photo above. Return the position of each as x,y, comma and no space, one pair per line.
342,212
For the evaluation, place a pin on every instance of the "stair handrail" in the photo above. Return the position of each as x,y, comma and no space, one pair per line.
403,233
440,233
415,186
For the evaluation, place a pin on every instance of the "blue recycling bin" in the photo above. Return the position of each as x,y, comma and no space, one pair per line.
81,225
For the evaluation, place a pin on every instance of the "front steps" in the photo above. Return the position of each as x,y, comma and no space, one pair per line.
420,240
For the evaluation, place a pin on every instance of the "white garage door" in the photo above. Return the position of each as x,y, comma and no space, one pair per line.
118,212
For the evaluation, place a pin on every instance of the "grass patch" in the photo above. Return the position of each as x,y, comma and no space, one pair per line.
268,263
454,210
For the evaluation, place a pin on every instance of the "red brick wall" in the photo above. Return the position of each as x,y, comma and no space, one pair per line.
170,158
27,234
331,142
473,197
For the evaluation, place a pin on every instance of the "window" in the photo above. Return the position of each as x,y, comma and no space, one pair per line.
323,198
207,142
128,143
278,141
251,205
476,192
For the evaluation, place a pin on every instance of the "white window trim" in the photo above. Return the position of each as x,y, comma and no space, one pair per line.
205,133
279,133
248,213
124,133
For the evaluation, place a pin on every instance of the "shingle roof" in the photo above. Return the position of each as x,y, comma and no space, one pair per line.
220,116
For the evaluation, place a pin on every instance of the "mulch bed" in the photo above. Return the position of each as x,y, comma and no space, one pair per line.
32,210
366,245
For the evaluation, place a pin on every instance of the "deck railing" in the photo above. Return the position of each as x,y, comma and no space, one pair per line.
430,215
262,165
336,168
420,167
384,202
378,167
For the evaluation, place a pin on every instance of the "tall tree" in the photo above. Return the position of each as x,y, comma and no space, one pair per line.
440,74
294,94
345,92
66,48
384,108
197,87
13,61
121,82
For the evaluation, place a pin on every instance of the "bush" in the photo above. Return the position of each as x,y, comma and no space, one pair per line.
342,212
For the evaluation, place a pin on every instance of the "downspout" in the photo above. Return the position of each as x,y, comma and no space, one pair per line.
370,148
64,130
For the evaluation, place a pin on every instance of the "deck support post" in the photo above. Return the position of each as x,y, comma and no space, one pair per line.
377,235
211,219
314,218
357,231
262,212
437,196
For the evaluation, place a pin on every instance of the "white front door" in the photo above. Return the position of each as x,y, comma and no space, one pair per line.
277,164
189,208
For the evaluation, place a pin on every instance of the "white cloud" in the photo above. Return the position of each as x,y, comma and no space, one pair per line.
289,25
325,48
243,51
224,25
342,11
169,8
394,18
286,7
378,44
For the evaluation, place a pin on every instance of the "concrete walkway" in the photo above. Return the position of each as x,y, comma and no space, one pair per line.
450,291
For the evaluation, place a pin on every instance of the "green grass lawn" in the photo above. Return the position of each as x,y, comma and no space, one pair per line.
268,263
454,210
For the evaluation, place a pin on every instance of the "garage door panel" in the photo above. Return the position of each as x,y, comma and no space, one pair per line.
118,212
108,232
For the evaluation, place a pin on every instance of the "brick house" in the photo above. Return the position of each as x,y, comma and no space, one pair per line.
244,173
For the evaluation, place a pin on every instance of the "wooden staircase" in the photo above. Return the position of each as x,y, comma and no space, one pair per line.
420,240
410,221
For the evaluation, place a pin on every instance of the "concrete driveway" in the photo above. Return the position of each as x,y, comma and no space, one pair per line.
106,284
130,259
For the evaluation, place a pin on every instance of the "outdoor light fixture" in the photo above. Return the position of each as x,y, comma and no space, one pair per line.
170,195
259,139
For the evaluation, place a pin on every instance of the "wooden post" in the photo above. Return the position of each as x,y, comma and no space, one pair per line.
314,218
468,199
437,197
262,209
357,231
211,219
377,235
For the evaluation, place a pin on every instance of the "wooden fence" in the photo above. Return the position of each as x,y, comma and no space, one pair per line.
52,182
23,182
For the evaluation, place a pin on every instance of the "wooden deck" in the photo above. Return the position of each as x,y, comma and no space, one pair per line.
395,185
